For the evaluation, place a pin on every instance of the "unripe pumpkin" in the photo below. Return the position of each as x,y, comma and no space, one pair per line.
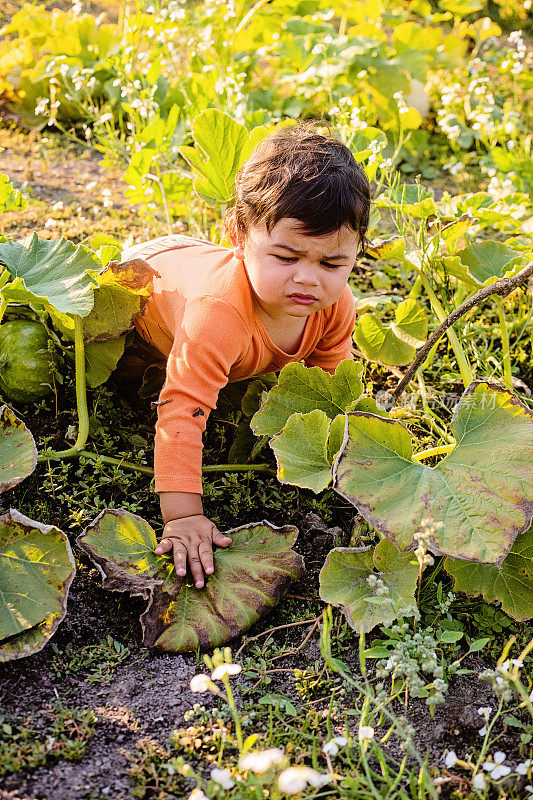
25,361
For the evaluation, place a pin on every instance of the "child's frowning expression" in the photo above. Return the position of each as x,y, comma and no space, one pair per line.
292,273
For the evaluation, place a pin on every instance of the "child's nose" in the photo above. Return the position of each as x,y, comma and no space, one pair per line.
305,273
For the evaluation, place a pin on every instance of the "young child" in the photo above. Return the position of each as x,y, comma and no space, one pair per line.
279,295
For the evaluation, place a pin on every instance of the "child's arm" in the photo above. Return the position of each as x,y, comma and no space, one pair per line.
189,534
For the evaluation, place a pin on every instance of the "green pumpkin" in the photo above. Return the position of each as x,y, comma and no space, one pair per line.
25,361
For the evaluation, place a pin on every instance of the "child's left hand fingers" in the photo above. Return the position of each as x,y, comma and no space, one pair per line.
205,551
164,546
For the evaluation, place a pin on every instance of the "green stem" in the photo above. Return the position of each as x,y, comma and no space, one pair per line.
416,288
506,355
362,660
434,451
237,719
81,398
119,462
464,365
3,306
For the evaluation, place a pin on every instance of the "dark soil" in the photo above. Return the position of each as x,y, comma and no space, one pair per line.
149,693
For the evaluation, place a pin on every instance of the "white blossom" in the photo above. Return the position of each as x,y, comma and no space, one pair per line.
451,759
260,761
223,778
523,767
225,669
366,732
197,794
479,781
200,683
295,779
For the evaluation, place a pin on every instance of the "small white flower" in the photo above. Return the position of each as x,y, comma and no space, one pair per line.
500,771
200,683
223,778
90,185
451,759
295,779
529,788
330,748
366,732
107,117
479,781
499,757
482,731
523,767
197,794
260,761
225,669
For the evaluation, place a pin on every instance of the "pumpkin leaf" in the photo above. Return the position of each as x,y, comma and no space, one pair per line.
101,358
215,159
482,491
344,583
483,263
511,583
396,343
36,570
301,389
250,577
303,451
50,273
18,453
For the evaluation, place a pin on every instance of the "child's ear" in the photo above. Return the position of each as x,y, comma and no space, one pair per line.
237,241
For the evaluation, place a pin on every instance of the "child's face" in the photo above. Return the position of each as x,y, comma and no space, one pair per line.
292,273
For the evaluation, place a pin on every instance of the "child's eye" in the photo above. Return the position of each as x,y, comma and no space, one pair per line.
285,259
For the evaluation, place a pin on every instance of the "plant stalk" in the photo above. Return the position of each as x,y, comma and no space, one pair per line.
506,355
502,287
143,470
462,361
81,399
434,451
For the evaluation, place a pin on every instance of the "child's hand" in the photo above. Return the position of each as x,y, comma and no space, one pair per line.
192,538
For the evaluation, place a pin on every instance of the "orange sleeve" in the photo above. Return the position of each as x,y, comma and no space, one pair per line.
210,337
336,342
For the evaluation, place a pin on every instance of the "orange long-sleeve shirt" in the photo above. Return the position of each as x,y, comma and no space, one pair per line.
201,316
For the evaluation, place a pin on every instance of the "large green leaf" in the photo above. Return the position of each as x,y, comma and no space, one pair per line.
482,491
18,453
51,272
36,570
511,583
306,447
392,344
219,142
101,358
343,582
122,289
483,263
250,577
302,389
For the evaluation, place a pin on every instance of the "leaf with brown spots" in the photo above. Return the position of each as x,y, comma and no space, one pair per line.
18,453
250,577
36,570
511,583
482,491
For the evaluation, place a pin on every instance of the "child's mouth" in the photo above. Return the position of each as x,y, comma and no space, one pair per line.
303,299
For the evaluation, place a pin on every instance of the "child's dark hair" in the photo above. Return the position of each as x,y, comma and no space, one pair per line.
299,173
